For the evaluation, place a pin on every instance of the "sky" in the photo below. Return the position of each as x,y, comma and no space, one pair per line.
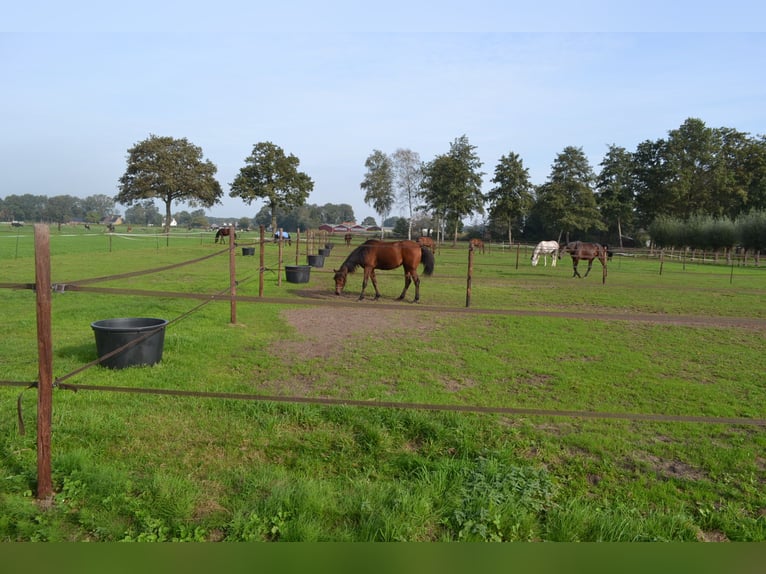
331,82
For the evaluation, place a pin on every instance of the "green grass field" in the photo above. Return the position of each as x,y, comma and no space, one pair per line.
685,343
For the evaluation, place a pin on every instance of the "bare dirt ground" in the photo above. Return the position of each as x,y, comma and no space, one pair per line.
331,325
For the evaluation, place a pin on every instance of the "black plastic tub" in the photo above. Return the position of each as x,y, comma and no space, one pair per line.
297,273
324,252
316,260
248,251
111,334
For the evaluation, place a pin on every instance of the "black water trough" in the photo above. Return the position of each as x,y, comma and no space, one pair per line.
111,334
297,273
316,260
248,251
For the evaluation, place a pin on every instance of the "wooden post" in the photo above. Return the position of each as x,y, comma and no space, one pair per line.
470,276
45,362
518,246
232,276
662,259
279,263
297,244
261,271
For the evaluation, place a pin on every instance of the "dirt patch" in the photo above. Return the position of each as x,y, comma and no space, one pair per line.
325,331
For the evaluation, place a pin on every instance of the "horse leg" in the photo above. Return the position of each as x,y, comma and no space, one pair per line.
407,281
574,266
364,283
417,287
375,284
590,264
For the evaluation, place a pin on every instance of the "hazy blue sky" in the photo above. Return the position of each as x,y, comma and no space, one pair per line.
332,81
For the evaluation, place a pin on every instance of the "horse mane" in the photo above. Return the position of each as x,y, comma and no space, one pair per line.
355,258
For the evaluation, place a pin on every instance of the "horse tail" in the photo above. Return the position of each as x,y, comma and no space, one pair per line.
427,259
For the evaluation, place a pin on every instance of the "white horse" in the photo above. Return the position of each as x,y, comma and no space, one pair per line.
546,248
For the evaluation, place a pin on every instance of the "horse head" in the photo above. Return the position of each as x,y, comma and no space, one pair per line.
340,279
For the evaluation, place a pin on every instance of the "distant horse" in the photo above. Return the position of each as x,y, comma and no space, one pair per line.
224,232
376,254
476,244
588,251
347,238
546,248
285,237
87,227
427,242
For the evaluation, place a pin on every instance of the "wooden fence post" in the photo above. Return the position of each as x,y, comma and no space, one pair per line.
45,362
261,271
232,276
279,263
470,276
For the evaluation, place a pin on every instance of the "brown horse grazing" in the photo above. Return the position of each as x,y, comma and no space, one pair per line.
427,242
476,245
224,232
376,254
588,251
347,239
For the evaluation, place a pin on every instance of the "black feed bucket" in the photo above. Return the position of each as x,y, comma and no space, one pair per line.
324,252
316,260
111,334
248,251
297,273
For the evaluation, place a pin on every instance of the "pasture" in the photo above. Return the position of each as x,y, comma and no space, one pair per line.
552,409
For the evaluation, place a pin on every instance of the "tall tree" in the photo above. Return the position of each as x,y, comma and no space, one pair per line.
650,174
615,193
408,175
511,198
171,170
690,154
452,184
271,175
566,199
378,184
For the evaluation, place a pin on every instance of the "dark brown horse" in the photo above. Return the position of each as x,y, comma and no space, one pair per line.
347,239
588,251
224,232
376,254
476,245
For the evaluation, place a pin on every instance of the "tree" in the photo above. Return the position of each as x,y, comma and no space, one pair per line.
378,184
369,221
511,198
333,213
566,200
402,227
271,175
615,198
143,213
452,184
61,208
97,207
408,175
171,170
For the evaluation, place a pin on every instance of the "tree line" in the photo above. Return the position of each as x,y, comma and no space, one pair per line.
694,172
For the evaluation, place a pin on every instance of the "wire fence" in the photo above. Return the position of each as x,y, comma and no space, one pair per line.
86,285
